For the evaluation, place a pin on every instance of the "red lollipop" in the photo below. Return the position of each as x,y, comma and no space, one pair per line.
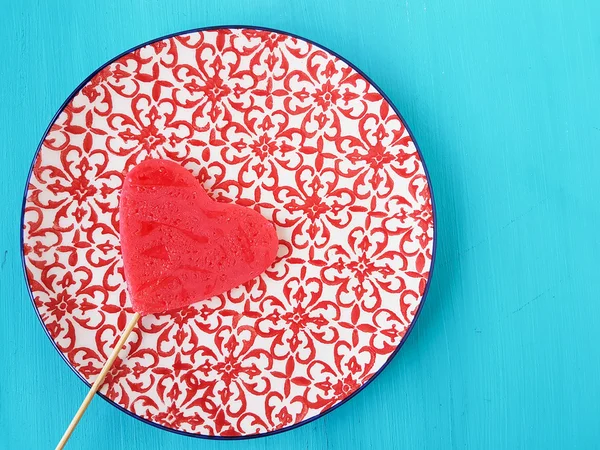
179,246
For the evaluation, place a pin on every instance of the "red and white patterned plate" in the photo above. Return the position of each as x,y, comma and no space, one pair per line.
270,121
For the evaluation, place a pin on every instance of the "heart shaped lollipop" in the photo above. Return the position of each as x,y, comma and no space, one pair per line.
179,246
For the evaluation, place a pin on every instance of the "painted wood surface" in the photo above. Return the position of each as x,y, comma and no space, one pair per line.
504,101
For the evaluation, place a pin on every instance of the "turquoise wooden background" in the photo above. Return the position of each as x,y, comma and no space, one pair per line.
503,98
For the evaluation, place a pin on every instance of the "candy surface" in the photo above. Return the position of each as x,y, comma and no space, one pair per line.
179,246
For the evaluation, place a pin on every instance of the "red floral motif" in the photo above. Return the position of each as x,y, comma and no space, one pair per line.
154,131
262,150
382,151
296,324
330,384
365,270
80,188
312,206
60,305
270,122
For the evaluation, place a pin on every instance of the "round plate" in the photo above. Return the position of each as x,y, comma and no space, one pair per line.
270,121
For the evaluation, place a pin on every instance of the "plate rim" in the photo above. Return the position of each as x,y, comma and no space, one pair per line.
198,30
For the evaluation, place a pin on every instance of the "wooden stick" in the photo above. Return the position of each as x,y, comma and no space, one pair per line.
88,398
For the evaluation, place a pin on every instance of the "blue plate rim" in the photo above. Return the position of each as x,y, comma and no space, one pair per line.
433,209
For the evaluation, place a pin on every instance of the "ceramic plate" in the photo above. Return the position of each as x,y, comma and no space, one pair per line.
270,121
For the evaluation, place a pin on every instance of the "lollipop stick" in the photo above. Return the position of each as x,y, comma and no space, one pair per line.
99,380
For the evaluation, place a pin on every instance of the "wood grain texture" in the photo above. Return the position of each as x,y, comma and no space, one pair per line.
504,101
